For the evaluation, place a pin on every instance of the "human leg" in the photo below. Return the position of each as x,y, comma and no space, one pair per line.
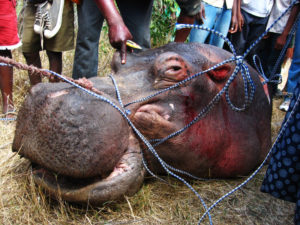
31,44
137,17
221,25
55,63
198,35
90,23
239,39
257,28
268,56
6,84
33,58
294,71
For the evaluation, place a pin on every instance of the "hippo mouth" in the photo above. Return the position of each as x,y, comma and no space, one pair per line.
125,180
155,119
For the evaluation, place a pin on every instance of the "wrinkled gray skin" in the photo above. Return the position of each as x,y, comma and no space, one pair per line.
95,155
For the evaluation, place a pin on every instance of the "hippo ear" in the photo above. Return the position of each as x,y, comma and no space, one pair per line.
221,73
170,68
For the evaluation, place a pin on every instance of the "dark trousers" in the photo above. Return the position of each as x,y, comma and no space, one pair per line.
269,56
253,28
136,15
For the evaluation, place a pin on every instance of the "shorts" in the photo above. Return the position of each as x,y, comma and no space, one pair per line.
62,41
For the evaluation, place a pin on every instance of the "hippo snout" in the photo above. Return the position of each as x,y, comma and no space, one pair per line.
98,143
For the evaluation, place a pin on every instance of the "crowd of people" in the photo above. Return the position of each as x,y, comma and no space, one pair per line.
49,25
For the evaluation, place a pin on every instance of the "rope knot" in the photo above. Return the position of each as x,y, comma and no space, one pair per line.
239,60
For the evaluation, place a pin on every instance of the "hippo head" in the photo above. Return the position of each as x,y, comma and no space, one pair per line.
84,149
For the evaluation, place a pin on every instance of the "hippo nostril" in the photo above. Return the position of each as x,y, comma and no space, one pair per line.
176,68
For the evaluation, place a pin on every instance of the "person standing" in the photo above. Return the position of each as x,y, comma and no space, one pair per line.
9,40
219,14
272,44
294,71
132,23
252,18
33,43
282,178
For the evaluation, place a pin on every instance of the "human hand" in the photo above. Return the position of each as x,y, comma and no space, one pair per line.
118,35
234,25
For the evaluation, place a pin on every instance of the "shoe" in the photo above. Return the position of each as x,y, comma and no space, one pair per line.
278,94
40,13
53,18
285,105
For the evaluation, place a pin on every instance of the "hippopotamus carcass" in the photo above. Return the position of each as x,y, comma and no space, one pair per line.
84,150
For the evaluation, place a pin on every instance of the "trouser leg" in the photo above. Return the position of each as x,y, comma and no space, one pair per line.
294,71
90,23
6,84
137,17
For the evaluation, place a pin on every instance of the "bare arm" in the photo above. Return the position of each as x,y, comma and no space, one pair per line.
281,40
118,32
181,35
240,18
234,19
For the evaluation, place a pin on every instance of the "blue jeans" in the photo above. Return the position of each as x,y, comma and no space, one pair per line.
216,18
136,15
294,71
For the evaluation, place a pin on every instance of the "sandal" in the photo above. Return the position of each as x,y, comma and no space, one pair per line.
9,115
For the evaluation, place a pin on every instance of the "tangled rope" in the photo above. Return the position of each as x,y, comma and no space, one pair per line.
249,89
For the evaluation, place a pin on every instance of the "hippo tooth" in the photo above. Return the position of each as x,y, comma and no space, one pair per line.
172,106
166,117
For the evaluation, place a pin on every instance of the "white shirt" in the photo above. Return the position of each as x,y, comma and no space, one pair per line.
259,8
220,3
279,7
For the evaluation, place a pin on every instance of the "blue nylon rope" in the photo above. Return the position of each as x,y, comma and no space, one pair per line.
284,126
248,99
146,142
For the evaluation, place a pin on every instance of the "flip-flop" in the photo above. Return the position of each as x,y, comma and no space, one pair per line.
9,115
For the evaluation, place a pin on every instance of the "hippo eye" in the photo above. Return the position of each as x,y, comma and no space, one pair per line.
173,70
